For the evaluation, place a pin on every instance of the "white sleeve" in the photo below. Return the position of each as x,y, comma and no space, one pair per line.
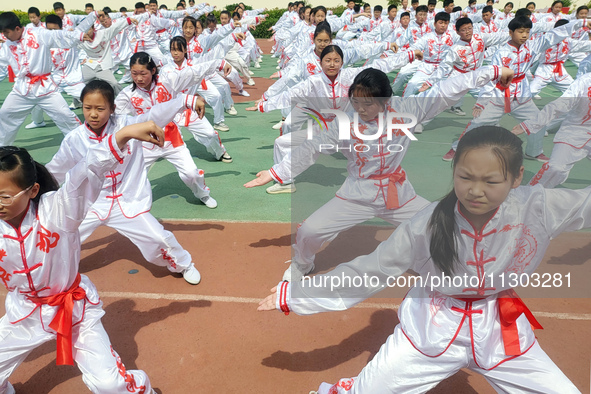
566,210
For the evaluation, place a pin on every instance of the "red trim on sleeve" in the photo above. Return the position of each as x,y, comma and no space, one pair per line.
283,298
186,99
411,56
222,65
275,176
497,72
114,151
128,20
479,105
525,128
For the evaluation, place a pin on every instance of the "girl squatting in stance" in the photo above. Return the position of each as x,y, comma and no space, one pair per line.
475,231
39,257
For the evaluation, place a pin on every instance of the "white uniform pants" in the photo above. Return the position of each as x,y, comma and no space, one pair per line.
492,114
98,73
545,75
224,88
404,75
16,108
181,159
420,76
237,63
101,367
563,158
399,368
206,135
235,79
339,215
213,97
157,245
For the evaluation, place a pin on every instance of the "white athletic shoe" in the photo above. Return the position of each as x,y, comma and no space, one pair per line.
295,272
119,72
279,188
250,72
250,82
34,125
221,127
278,125
456,110
418,129
257,65
209,202
231,111
537,97
272,51
277,68
191,275
244,93
226,158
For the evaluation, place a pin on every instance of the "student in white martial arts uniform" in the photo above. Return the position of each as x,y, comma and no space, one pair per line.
580,35
327,90
572,142
148,88
376,184
69,21
126,196
47,297
518,54
471,233
551,69
28,53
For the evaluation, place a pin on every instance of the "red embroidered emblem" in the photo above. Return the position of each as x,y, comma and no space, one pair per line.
311,67
47,240
5,276
525,248
162,94
137,104
31,41
168,258
506,61
131,385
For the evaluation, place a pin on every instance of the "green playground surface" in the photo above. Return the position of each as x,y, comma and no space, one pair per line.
250,142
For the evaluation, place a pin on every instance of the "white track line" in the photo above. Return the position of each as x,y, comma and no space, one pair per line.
247,300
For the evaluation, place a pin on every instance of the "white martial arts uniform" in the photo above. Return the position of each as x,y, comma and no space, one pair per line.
413,33
517,99
376,185
439,333
126,197
573,140
30,59
39,264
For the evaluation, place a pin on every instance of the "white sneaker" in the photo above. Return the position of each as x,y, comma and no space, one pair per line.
250,72
244,93
295,272
278,125
226,158
272,51
221,127
456,110
191,275
250,82
418,129
257,65
119,72
34,125
72,106
209,202
231,111
537,97
279,188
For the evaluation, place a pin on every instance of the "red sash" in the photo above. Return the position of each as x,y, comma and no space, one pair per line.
398,176
510,308
507,91
558,68
172,134
38,78
62,322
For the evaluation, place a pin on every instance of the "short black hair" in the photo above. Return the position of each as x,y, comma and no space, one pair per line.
391,7
9,21
414,1
89,5
463,21
487,8
58,5
510,3
225,12
556,2
378,8
34,10
422,8
447,2
123,9
456,9
530,3
432,2
163,7
581,8
442,16
153,2
140,5
107,10
521,22
523,12
404,14
53,18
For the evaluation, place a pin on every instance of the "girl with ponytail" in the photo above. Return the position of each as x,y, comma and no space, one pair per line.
39,257
462,311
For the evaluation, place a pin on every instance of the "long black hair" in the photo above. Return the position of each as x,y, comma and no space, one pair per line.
145,60
25,171
331,49
323,27
179,43
371,83
442,224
